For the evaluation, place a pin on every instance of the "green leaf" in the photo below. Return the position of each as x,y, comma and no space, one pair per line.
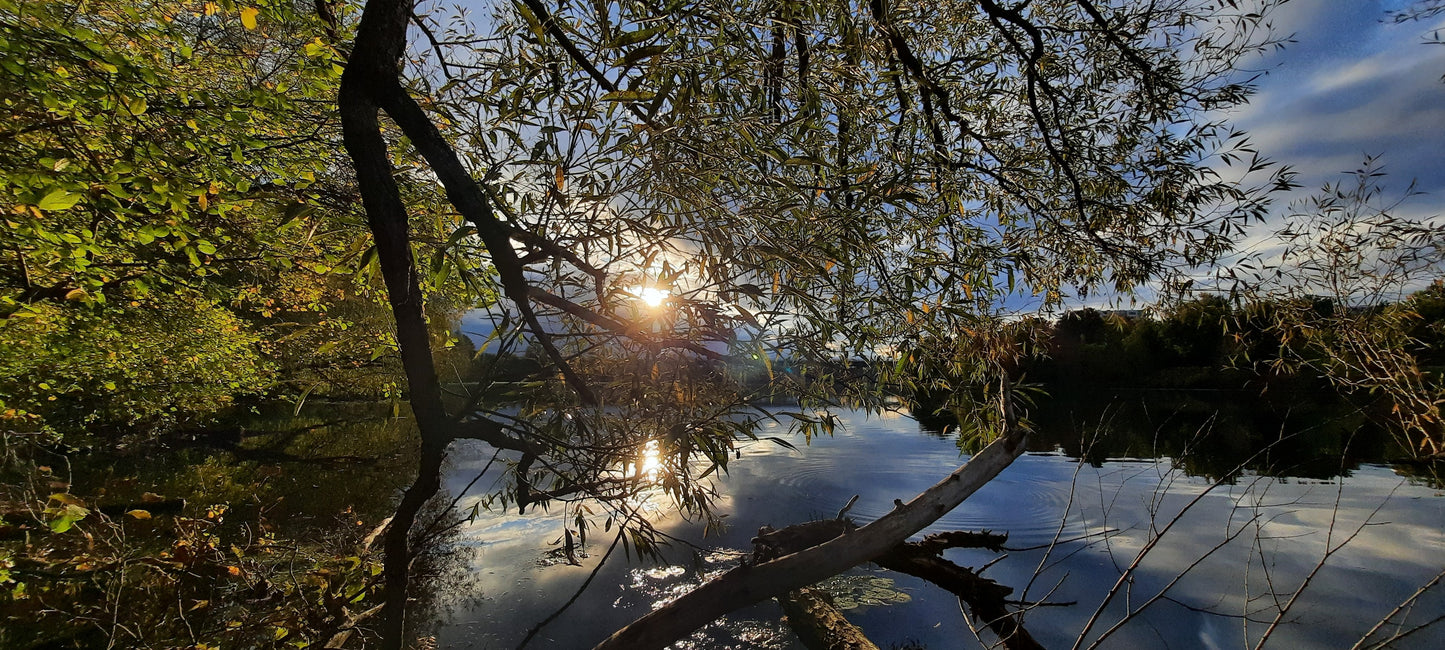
642,53
628,96
64,518
531,19
206,247
630,38
293,212
59,199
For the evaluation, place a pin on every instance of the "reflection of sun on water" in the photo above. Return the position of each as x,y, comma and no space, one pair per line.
648,469
651,462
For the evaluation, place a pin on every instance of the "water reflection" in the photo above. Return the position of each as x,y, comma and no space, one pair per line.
1270,522
251,529
1212,433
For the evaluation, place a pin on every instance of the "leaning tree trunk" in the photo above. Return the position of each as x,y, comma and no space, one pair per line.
370,85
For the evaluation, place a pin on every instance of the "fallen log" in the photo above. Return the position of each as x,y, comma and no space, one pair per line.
981,596
818,623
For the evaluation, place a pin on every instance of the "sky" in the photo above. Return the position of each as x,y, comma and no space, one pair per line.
1351,85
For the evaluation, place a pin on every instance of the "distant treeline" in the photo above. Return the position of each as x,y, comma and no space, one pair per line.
1209,342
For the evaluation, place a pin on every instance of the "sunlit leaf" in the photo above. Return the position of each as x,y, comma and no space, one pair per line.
628,96
630,38
57,200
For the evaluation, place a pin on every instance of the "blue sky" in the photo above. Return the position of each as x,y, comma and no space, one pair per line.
1353,85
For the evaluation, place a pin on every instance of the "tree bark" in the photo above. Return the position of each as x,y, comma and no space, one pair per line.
819,625
380,41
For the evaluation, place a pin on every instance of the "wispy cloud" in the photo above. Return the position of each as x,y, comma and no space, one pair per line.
1353,85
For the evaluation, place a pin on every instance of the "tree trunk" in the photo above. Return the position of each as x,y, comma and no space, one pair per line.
380,41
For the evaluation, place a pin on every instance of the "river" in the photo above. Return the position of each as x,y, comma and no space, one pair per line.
1267,488
1248,538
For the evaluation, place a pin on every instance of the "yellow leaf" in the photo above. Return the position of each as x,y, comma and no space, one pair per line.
248,17
67,499
139,514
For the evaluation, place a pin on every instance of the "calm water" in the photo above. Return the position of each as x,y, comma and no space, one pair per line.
1103,512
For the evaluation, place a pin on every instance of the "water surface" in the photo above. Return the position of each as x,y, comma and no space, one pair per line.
1268,510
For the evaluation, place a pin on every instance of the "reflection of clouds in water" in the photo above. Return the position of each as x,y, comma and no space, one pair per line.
886,459
1282,529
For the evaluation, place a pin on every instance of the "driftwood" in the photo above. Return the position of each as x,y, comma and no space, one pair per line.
981,596
845,549
984,597
821,627
818,623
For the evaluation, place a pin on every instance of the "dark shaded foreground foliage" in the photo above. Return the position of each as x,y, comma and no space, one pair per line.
239,537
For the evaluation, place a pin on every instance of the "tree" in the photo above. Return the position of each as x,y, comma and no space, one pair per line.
179,228
1333,296
801,181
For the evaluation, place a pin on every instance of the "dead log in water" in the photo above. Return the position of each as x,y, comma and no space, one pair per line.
819,625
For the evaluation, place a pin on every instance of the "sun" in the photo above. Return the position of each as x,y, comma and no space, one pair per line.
651,296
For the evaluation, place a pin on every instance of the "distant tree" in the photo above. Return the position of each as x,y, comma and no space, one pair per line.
1424,312
1195,331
